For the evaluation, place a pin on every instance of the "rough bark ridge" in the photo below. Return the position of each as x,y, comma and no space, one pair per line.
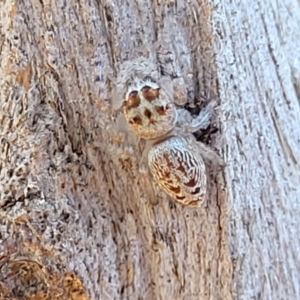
259,63
73,176
69,176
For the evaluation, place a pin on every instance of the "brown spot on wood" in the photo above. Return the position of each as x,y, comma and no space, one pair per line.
14,10
149,93
26,269
133,100
101,103
147,113
24,77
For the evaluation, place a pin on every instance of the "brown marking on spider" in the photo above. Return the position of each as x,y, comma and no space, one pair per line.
153,106
133,100
161,110
147,113
149,93
136,120
186,180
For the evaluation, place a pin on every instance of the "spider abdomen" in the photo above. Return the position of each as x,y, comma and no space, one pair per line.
179,170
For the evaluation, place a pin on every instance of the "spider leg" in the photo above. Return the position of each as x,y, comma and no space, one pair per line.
148,188
202,121
143,165
145,174
210,157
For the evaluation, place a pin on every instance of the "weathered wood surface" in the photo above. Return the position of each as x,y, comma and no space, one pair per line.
259,63
69,172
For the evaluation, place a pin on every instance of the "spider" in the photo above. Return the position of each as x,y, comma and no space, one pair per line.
176,161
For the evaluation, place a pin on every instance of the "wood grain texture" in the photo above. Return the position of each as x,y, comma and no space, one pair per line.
67,166
259,63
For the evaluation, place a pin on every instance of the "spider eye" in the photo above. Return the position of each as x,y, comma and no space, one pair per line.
135,120
146,88
133,94
132,101
150,93
161,110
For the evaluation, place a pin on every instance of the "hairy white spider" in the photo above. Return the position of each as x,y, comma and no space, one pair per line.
177,162
148,98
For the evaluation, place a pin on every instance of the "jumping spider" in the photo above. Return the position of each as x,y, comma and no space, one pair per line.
177,162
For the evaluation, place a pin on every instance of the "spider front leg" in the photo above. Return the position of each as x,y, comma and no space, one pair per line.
210,157
143,164
144,171
188,124
176,89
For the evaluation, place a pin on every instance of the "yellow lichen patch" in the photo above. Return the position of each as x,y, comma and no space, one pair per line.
24,77
102,104
14,10
73,287
8,65
207,10
31,271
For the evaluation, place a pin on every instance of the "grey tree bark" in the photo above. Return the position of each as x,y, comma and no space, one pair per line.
76,215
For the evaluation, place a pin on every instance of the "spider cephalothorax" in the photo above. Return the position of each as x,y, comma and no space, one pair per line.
149,110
